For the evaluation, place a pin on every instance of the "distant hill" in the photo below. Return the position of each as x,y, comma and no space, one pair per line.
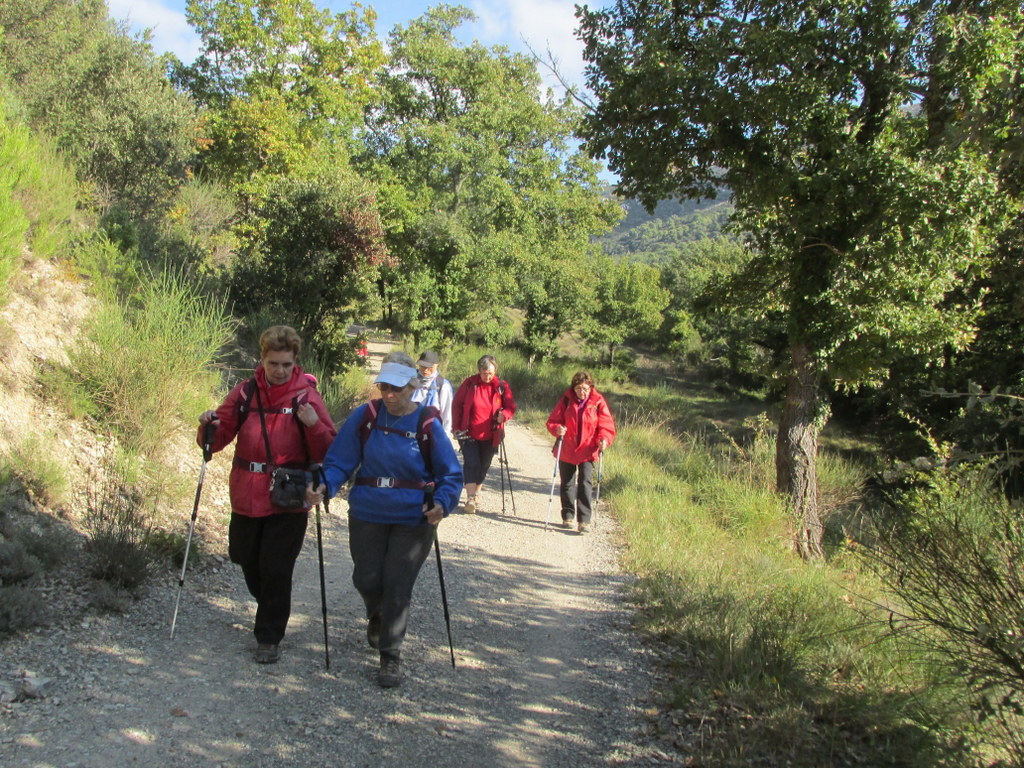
655,238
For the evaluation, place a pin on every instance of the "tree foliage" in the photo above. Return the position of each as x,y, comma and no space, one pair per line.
103,96
860,142
479,184
285,83
628,303
315,264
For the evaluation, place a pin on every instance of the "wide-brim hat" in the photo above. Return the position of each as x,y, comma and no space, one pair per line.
428,358
396,374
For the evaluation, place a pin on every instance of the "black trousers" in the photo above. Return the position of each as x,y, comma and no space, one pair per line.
267,548
576,492
477,456
386,561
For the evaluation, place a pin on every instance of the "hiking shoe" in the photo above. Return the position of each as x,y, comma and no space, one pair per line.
390,673
567,522
267,653
582,527
470,506
373,631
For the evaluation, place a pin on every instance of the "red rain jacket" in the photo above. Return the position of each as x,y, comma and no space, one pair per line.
584,426
250,491
476,404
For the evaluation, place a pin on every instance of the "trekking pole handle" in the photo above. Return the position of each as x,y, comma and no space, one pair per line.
317,473
209,430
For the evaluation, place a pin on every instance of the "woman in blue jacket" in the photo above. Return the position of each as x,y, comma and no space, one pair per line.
406,478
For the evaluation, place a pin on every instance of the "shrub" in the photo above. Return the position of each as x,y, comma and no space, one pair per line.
51,543
118,529
146,361
14,224
170,547
112,273
21,608
951,548
33,461
16,563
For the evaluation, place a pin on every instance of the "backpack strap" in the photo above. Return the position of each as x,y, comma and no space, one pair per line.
423,436
249,388
266,438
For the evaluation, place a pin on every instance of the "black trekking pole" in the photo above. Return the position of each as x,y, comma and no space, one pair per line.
208,432
554,475
440,578
444,598
503,472
318,472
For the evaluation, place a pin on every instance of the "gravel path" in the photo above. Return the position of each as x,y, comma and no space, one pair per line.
547,670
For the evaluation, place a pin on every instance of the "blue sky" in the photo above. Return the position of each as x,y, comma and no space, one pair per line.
547,25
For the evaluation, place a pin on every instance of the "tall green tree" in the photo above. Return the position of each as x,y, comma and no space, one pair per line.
315,265
628,302
482,191
103,96
284,83
860,143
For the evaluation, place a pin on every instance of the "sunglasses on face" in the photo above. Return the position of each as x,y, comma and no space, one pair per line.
385,388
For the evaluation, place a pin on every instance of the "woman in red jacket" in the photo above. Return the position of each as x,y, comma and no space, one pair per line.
482,405
583,422
280,422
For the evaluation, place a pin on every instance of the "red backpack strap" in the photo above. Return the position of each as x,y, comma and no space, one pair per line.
424,429
425,435
248,388
369,418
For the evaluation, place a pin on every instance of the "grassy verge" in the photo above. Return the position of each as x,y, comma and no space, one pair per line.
771,661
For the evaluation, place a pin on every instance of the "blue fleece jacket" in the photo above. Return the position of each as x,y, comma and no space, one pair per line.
385,454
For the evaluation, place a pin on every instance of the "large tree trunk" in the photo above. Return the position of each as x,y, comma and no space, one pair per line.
796,452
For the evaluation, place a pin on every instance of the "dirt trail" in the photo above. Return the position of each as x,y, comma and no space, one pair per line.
547,671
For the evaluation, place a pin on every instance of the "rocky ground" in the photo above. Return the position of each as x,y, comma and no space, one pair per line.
547,670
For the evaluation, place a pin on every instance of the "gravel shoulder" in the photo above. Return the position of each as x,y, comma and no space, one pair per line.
548,671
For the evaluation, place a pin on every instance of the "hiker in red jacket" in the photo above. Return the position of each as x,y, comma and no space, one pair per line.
281,424
583,421
483,403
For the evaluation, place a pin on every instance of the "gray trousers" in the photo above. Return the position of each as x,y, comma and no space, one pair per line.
387,559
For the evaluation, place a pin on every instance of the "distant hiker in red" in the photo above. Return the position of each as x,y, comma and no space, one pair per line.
583,421
483,403
282,427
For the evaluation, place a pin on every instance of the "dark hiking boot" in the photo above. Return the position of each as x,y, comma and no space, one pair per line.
267,653
390,673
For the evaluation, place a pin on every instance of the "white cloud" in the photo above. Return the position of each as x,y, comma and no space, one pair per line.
547,26
170,30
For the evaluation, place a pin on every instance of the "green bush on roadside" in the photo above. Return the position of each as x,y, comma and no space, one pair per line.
117,525
146,361
32,460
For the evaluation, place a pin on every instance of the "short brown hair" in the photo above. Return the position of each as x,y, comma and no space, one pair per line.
582,377
280,338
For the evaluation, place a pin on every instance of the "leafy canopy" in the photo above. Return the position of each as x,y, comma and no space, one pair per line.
855,139
481,190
